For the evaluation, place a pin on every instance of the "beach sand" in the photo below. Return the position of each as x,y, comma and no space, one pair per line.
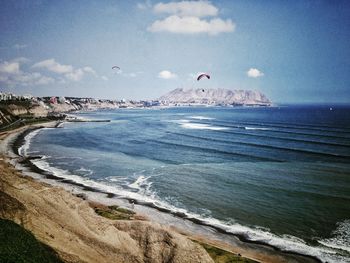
70,225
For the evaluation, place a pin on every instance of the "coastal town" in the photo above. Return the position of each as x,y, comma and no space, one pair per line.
19,109
75,102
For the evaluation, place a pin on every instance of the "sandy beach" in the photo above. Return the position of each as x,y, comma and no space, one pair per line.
69,224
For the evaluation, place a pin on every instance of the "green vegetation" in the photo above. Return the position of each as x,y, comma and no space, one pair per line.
37,120
223,256
18,245
121,210
114,212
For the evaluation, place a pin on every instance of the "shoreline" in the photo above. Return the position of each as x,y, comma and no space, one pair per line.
235,243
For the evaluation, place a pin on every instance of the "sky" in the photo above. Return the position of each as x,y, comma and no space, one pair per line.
292,51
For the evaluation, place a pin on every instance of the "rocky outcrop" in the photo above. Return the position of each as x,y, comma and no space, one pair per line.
216,97
161,245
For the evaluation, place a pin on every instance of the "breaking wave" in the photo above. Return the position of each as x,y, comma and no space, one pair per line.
199,126
144,195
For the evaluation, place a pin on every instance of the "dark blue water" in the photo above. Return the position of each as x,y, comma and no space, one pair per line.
280,175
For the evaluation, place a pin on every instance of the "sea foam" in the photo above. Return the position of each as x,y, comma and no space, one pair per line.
199,126
325,253
23,150
256,128
201,118
341,237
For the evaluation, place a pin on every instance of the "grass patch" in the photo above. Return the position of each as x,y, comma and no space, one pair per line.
121,210
20,246
114,212
223,256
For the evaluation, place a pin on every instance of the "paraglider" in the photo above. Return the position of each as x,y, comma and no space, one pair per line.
202,76
116,70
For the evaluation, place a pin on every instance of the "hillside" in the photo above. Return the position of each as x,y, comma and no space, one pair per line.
216,97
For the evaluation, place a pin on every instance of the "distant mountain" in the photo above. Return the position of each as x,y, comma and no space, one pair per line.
215,97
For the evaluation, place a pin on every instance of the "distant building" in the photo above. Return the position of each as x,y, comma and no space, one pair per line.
62,100
26,97
6,96
151,103
53,100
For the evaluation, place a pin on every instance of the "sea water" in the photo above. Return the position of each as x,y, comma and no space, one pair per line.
278,175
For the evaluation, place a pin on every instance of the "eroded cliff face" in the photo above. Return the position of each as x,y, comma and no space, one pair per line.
43,109
26,109
71,227
216,96
17,109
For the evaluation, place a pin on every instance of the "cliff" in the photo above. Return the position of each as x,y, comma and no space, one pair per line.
41,109
71,227
216,97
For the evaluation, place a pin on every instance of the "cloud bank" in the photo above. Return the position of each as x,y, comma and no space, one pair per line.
12,73
186,17
192,25
67,71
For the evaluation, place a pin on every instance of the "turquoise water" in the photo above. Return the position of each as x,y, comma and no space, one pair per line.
279,175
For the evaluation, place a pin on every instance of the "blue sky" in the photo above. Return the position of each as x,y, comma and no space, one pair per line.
292,51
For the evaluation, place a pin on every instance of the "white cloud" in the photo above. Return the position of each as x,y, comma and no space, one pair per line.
11,75
187,8
104,78
52,65
165,74
190,25
254,73
75,75
68,71
31,78
11,67
90,70
187,17
44,80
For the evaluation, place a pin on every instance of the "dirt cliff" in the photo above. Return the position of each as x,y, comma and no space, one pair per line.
70,226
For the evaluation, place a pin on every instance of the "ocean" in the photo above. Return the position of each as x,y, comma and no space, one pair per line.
277,175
